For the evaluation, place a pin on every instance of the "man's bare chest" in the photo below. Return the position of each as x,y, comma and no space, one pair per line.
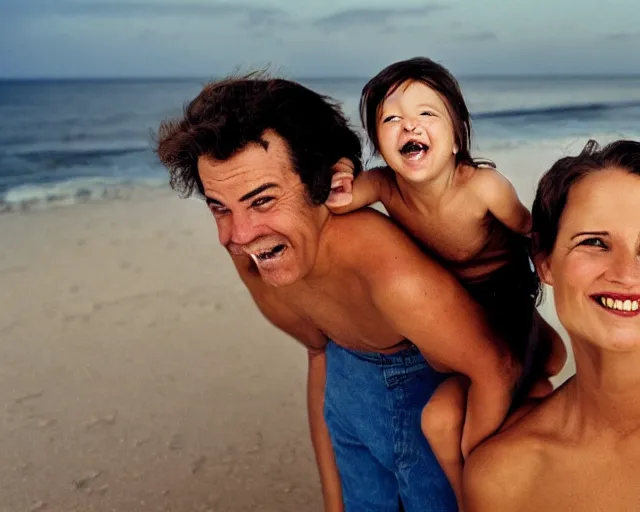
345,312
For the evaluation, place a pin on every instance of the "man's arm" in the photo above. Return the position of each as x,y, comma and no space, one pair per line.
427,305
348,194
499,196
282,317
329,476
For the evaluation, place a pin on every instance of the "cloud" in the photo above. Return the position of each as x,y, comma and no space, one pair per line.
621,36
374,17
478,36
252,14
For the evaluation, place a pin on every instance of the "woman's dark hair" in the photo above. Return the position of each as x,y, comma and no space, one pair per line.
231,113
435,76
555,184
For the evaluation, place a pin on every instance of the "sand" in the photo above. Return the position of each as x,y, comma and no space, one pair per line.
136,374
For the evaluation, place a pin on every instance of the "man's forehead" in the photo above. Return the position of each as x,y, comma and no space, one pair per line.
250,168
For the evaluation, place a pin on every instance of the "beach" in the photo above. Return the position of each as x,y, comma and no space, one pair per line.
137,374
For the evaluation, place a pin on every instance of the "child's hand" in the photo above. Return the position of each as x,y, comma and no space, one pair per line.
341,184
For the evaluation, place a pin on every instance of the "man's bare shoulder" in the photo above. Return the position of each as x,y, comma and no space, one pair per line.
504,470
372,246
368,239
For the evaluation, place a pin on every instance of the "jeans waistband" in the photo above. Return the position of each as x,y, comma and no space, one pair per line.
395,367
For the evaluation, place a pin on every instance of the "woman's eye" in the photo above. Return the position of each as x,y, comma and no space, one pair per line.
261,202
593,242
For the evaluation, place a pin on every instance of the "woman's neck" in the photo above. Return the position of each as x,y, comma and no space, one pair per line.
606,389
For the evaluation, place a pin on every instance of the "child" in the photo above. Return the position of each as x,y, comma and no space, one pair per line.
462,210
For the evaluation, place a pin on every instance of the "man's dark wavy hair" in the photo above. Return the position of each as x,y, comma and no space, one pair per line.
229,114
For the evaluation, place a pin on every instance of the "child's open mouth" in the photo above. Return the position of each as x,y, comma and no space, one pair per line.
414,150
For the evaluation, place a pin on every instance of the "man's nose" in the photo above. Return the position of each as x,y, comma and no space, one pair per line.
237,228
243,229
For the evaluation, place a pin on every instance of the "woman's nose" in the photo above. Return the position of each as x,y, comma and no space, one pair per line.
625,268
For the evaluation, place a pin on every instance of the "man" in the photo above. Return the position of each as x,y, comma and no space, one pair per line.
353,289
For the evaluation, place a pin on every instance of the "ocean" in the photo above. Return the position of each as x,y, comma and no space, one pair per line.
63,142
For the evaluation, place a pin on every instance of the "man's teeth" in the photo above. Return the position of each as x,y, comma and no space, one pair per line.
269,254
620,305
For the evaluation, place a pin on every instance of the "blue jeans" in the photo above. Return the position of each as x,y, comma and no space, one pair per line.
373,404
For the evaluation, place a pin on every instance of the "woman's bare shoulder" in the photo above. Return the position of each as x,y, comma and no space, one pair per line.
504,470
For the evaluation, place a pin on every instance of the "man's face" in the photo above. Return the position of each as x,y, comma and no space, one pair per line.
261,209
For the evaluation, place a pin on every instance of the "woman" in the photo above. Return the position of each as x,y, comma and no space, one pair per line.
580,448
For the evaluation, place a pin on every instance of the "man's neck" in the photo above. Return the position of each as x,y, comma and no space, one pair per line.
322,263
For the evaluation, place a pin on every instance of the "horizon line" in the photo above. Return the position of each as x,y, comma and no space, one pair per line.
141,78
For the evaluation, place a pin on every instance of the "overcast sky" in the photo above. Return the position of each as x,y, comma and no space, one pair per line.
304,38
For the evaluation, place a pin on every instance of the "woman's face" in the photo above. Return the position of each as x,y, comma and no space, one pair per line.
594,267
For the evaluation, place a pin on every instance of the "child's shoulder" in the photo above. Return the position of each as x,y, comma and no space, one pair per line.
478,176
487,182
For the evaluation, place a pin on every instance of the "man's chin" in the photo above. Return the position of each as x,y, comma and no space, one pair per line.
278,279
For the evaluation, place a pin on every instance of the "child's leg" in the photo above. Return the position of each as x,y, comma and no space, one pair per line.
442,422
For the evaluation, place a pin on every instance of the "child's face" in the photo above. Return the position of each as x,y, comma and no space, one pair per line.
415,132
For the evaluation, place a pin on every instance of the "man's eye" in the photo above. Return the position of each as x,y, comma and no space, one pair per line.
594,242
218,210
261,202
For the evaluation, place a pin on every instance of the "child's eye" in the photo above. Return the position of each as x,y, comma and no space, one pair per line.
389,118
426,113
261,201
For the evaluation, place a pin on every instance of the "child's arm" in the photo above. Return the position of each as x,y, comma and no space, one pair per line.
500,197
348,194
